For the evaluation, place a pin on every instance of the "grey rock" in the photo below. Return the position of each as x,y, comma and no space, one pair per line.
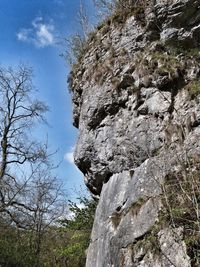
174,252
119,220
123,104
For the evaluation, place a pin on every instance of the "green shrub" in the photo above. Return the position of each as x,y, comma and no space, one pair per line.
15,249
80,227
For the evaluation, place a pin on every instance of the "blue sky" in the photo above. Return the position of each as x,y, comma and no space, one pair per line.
30,31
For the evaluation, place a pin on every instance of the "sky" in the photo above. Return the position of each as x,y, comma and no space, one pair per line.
31,32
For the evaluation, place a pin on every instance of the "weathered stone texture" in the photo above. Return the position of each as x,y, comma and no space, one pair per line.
129,87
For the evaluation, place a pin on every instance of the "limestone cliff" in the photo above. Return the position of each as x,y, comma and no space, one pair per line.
136,105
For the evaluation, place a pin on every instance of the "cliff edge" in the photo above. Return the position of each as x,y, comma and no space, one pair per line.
136,95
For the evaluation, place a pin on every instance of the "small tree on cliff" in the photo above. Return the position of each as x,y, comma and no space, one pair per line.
106,7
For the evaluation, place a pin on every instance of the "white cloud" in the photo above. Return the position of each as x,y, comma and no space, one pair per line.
40,34
23,35
69,156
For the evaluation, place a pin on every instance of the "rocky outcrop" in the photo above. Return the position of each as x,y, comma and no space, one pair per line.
136,104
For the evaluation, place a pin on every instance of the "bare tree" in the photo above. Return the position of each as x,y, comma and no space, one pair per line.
108,7
47,200
104,7
83,19
18,152
75,45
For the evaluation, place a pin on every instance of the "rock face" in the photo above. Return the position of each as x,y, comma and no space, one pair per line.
136,104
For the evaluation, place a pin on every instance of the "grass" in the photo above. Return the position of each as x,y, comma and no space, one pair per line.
193,89
192,52
181,202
